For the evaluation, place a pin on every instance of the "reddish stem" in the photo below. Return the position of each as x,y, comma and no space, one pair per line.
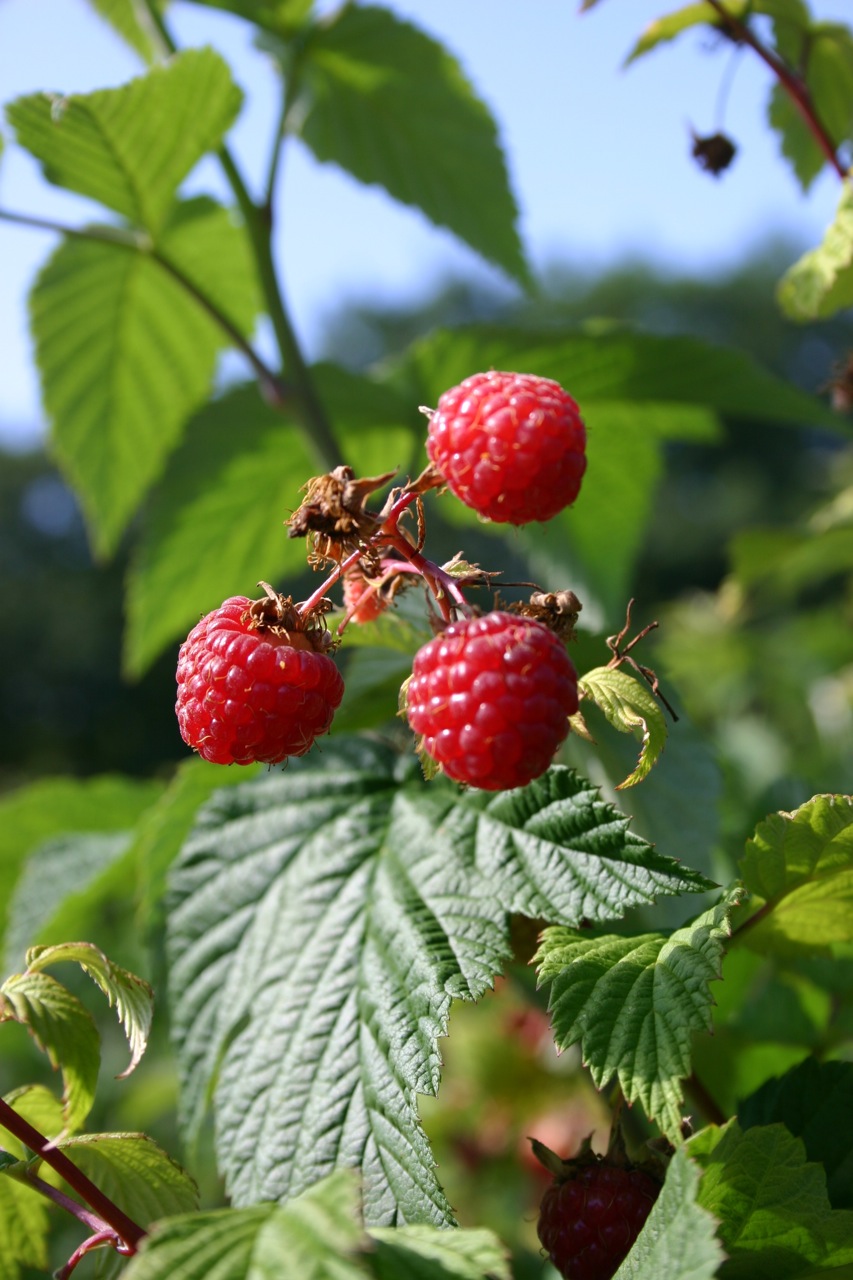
124,1227
792,83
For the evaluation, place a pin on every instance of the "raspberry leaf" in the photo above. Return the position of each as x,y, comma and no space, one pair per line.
135,1173
631,708
821,282
128,20
130,148
774,1213
799,869
678,1239
23,1228
321,923
391,106
122,375
633,1003
425,1253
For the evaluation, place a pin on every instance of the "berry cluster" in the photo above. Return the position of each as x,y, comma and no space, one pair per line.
490,697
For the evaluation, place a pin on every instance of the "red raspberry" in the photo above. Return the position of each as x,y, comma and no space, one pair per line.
246,693
492,697
362,601
589,1222
509,445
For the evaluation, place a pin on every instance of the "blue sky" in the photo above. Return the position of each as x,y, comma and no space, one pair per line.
598,156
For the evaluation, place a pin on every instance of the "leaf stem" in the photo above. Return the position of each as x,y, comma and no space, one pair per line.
791,82
127,1230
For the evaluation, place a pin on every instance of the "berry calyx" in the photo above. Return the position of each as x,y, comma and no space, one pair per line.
592,1213
491,698
510,445
252,685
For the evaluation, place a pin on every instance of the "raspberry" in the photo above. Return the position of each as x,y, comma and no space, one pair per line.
250,692
510,446
590,1218
362,601
491,697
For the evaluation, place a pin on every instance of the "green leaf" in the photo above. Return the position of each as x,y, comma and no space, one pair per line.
671,25
126,354
23,1230
130,148
33,814
821,283
798,142
632,1003
826,66
315,1236
784,562
59,879
390,105
132,22
132,996
630,707
64,1030
775,1218
428,1253
678,1240
801,865
373,679
135,1173
214,525
808,1100
40,1108
320,923
282,17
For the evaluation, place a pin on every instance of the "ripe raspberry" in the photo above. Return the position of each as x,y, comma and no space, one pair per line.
492,697
589,1221
362,601
510,446
247,693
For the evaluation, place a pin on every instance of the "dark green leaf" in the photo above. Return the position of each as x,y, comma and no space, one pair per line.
392,106
810,1100
130,148
320,925
784,562
633,1003
678,1241
428,1253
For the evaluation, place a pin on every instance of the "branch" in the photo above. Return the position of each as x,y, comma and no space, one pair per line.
793,85
124,1227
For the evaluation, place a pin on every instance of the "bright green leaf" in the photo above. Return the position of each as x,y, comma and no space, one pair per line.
130,148
774,1214
315,1236
428,1253
132,996
23,1229
40,1108
662,30
678,1240
321,922
808,1100
64,1030
132,22
632,1004
53,806
821,283
392,106
630,707
126,354
801,865
135,1173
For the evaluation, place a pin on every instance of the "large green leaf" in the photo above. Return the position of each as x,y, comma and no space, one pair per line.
23,1229
321,921
799,868
392,106
45,809
633,1003
135,1173
420,1252
808,1100
775,1218
825,63
126,353
281,17
130,148
678,1240
63,1029
315,1236
821,283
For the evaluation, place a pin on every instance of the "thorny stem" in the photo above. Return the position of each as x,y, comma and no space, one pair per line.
129,1232
790,81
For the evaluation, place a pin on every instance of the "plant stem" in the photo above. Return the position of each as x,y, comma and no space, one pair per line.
791,82
709,1107
753,920
124,1227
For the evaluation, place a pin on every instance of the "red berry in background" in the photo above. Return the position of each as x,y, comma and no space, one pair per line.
492,697
591,1216
510,445
252,692
362,600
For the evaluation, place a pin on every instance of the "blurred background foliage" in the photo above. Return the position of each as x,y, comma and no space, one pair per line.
746,563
